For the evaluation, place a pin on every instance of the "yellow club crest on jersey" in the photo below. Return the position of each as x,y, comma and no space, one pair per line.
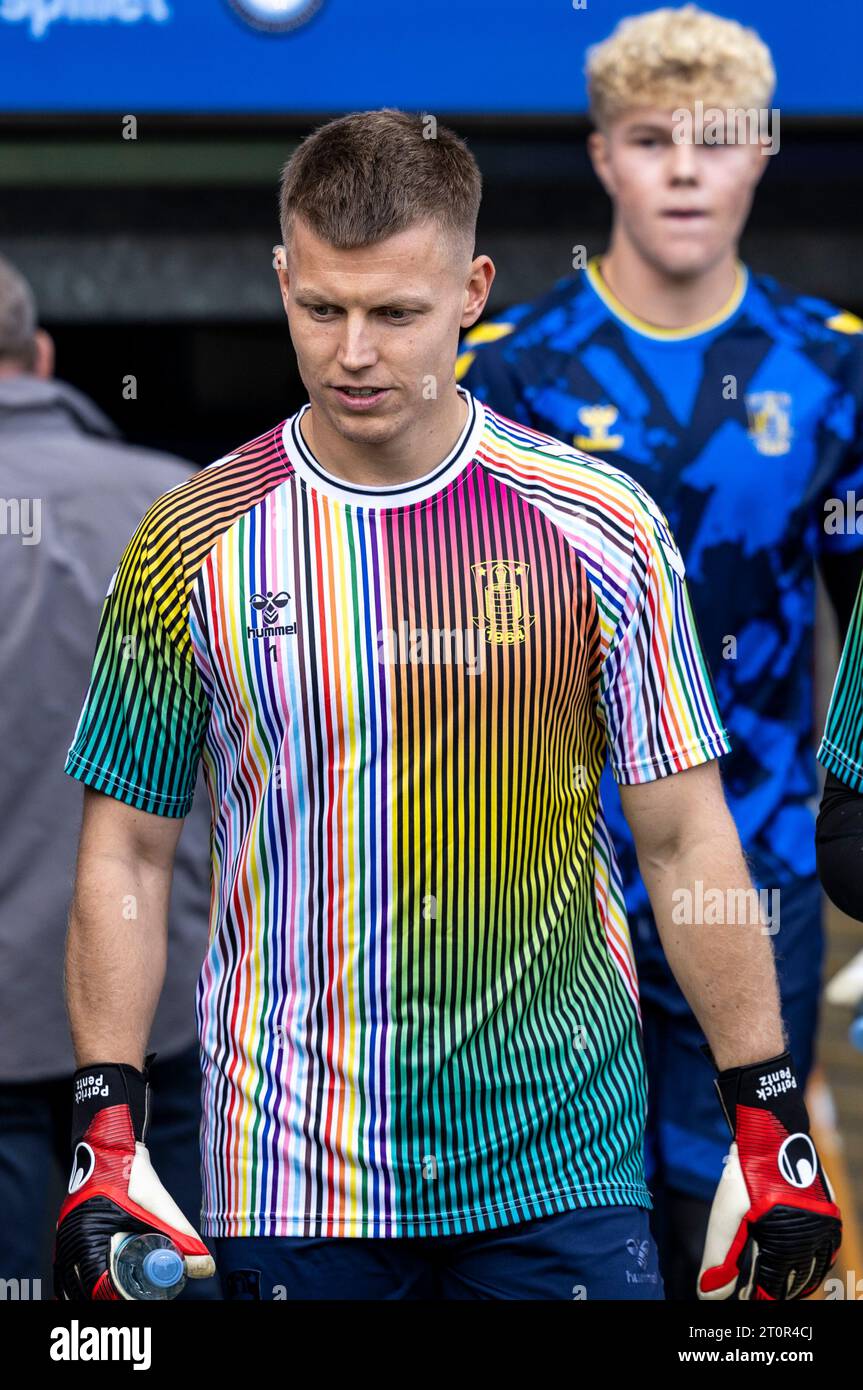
597,420
502,586
770,421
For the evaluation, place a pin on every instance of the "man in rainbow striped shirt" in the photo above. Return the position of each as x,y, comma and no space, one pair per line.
418,1014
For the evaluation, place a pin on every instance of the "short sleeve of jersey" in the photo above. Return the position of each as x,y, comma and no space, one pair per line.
841,748
141,729
657,695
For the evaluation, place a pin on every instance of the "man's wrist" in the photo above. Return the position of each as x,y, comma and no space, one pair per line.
741,1066
101,1085
769,1085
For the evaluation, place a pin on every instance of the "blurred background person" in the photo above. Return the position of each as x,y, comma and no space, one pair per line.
71,491
736,402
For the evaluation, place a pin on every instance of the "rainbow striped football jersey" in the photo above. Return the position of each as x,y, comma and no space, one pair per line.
418,1012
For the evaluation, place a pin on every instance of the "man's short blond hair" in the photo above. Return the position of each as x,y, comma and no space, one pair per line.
671,58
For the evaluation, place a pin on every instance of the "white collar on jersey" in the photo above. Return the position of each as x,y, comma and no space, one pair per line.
440,477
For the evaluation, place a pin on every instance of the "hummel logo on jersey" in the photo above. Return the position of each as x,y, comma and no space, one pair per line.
597,419
268,606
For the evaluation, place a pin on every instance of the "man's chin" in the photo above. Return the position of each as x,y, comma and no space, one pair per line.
370,428
686,262
687,253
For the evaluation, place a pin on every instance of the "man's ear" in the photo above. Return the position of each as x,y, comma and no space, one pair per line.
280,265
477,289
44,362
598,153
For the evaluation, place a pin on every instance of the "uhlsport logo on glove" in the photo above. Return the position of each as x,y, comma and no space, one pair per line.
82,1166
798,1161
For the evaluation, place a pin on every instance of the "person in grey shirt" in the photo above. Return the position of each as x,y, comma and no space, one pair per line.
71,494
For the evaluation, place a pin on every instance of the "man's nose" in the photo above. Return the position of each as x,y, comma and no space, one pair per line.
356,348
683,162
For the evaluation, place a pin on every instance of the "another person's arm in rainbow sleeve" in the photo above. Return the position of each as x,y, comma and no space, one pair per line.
839,830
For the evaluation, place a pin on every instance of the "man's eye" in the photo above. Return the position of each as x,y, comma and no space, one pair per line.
398,314
322,310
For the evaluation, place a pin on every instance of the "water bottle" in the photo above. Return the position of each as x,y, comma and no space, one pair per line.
855,1032
148,1266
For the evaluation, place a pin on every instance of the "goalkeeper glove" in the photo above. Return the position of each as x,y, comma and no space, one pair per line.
774,1228
113,1188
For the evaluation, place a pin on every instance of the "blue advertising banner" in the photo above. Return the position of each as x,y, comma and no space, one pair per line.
495,56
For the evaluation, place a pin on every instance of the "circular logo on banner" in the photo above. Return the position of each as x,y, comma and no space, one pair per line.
798,1161
275,16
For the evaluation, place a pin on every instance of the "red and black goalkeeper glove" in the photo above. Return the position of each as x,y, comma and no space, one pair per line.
774,1228
113,1188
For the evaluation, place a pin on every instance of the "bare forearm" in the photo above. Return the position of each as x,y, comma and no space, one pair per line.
115,957
717,938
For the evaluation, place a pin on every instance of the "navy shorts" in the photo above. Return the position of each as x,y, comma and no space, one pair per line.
687,1138
587,1254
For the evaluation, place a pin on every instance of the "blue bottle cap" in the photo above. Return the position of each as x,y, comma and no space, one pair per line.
163,1268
